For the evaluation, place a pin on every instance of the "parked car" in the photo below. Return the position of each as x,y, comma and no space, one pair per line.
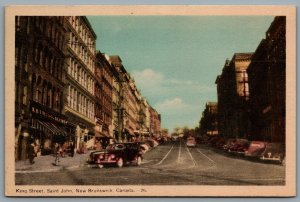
216,141
152,142
255,149
229,143
212,140
220,143
239,146
274,152
144,147
118,154
191,142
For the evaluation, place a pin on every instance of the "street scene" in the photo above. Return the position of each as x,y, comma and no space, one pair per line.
150,100
172,163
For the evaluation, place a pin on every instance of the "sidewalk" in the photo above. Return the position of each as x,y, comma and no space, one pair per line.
46,163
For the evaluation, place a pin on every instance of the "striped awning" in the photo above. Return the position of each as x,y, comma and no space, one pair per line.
52,128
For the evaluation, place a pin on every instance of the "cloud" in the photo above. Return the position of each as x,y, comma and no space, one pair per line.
179,101
148,78
181,82
168,104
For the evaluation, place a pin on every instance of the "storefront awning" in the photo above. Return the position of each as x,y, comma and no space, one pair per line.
50,127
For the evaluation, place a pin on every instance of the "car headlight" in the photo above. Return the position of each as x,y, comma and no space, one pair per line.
269,154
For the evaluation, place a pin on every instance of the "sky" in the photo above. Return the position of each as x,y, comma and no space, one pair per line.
175,60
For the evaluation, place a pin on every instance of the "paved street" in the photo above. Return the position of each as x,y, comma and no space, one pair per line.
169,164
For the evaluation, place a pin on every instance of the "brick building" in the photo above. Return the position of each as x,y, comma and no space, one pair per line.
103,95
233,96
40,51
267,81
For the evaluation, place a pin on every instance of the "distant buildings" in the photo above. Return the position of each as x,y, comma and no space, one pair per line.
209,120
66,90
155,122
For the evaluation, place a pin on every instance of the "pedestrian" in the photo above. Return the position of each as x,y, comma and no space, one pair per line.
31,153
56,153
64,149
72,148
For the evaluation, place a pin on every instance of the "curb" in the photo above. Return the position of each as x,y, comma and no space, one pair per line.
54,169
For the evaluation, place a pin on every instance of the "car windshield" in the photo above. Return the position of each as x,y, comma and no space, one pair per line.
115,147
256,144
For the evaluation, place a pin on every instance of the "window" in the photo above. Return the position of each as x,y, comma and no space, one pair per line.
82,78
75,71
78,74
69,96
78,102
28,25
51,65
44,99
49,98
24,97
38,95
40,55
57,101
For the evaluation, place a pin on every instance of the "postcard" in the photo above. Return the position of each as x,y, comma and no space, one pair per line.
150,101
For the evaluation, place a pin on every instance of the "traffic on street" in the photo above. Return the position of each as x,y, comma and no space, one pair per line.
170,163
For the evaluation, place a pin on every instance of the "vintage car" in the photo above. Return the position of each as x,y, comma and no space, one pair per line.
229,143
144,147
220,143
217,141
191,142
118,154
239,146
255,149
274,152
151,142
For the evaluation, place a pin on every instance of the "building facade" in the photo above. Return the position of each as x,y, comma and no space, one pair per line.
209,120
80,78
233,96
40,51
118,96
155,123
267,81
103,103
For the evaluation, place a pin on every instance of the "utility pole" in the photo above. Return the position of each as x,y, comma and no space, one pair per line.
120,109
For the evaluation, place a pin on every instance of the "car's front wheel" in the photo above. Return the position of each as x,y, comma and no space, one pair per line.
138,160
120,163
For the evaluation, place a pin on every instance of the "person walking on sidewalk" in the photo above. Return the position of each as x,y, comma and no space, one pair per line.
72,148
31,153
57,153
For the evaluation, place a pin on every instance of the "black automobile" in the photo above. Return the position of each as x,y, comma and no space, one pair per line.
118,154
